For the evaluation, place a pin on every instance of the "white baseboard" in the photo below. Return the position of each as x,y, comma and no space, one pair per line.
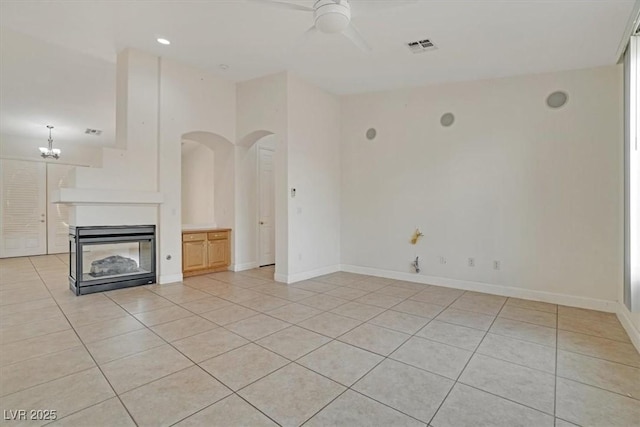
507,291
170,278
298,277
625,318
244,266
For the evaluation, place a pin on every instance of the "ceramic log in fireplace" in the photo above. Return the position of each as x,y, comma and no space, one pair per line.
111,257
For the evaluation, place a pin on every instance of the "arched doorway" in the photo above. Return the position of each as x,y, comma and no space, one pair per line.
256,172
207,178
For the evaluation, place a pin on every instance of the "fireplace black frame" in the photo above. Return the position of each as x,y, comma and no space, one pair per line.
79,236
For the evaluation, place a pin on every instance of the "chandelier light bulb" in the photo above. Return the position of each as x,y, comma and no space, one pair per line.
49,152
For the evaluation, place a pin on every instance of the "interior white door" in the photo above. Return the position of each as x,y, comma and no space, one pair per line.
57,214
266,208
23,201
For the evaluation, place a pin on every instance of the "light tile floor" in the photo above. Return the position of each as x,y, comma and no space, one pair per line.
235,349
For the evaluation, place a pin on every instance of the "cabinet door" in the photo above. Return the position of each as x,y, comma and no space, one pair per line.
218,253
194,255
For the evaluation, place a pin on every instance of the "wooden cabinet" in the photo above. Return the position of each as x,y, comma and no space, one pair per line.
205,251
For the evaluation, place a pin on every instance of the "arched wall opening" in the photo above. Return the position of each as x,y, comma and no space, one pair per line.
208,181
258,214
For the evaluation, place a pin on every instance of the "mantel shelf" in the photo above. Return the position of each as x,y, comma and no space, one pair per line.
91,196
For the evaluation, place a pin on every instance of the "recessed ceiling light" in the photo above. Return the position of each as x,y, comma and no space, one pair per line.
163,41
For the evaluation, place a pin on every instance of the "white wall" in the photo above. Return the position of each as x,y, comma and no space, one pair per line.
247,201
314,171
538,189
630,293
134,164
198,177
136,167
159,101
305,123
77,154
261,111
190,100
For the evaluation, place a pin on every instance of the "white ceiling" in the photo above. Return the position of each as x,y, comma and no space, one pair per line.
43,83
476,39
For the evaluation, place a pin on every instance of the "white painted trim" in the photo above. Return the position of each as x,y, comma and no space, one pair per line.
88,196
170,278
244,266
632,24
507,291
634,334
298,277
281,278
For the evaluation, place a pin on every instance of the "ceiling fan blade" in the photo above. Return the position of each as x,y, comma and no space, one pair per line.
306,37
283,5
363,7
356,38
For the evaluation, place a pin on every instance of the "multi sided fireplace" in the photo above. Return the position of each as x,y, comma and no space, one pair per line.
111,257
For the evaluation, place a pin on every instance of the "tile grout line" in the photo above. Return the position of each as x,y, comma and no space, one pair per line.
336,339
304,367
233,392
466,364
88,352
384,358
387,357
555,376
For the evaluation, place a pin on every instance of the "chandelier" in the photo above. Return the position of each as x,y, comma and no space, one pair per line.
50,152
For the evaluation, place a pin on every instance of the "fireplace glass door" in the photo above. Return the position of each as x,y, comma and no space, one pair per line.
110,260
111,257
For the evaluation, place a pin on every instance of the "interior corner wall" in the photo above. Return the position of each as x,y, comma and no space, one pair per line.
137,100
630,293
133,169
314,171
190,100
198,180
246,254
538,189
261,111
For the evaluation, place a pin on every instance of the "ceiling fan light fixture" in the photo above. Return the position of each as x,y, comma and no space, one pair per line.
332,16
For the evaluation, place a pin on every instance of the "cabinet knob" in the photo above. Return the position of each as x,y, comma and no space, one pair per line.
261,222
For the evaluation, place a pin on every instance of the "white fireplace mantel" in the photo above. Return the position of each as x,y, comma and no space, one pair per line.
89,196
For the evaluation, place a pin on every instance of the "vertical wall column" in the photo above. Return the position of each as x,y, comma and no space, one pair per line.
170,185
632,176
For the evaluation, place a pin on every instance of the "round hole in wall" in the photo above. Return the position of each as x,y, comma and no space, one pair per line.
447,119
371,134
557,99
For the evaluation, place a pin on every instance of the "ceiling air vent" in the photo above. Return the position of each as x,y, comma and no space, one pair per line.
421,46
94,132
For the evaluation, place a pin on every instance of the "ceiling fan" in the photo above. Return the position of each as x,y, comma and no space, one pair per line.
330,17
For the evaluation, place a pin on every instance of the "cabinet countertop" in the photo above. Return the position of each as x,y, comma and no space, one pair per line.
196,229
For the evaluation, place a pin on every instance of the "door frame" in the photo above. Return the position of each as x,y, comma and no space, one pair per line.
43,218
259,147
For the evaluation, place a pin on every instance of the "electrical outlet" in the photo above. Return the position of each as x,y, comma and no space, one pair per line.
443,260
496,265
472,262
